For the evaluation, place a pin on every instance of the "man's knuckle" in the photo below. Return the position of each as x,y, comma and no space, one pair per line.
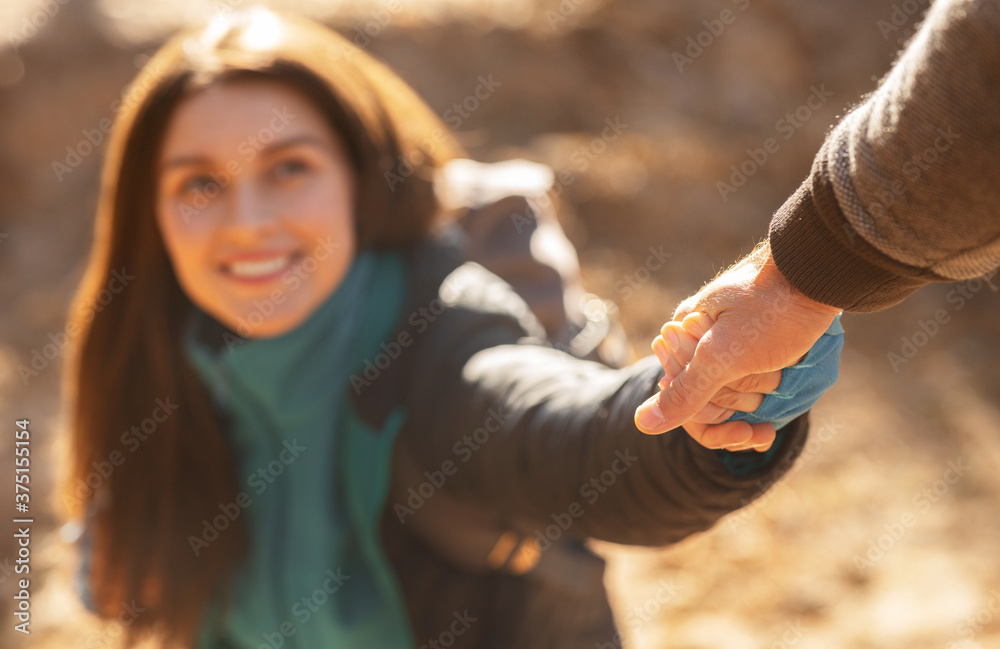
727,399
678,395
682,394
752,383
715,365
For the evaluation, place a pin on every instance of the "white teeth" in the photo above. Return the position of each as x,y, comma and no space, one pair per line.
259,268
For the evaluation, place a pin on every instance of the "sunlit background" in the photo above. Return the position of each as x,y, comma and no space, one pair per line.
820,562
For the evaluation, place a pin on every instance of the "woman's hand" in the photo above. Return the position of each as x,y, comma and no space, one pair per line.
675,347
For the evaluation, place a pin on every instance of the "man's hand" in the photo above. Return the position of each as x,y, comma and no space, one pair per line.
675,347
762,324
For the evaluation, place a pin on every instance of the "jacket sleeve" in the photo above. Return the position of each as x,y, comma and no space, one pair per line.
903,190
537,437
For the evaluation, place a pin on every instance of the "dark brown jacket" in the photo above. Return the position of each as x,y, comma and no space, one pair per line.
523,431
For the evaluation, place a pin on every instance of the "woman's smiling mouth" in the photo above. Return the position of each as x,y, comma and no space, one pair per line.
258,267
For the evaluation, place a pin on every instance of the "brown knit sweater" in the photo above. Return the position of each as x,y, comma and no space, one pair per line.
906,189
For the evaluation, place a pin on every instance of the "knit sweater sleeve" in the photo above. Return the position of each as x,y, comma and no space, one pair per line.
903,191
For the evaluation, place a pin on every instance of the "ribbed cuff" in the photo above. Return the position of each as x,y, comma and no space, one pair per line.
827,260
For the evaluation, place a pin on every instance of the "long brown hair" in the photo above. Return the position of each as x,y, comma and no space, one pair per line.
142,503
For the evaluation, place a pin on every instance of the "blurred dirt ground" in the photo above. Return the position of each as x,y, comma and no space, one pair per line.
865,544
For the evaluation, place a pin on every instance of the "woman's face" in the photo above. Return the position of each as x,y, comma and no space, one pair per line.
255,202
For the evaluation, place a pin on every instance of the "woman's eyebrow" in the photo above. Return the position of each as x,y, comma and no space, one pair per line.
297,140
253,143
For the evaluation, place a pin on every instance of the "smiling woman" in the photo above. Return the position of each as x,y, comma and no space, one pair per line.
242,176
246,188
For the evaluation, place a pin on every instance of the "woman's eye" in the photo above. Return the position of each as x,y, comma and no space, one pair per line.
197,184
289,168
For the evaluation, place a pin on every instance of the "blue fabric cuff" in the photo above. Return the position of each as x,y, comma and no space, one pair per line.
801,387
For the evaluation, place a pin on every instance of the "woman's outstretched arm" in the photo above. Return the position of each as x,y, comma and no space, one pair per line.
537,437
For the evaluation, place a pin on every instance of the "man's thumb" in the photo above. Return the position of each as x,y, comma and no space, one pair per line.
688,393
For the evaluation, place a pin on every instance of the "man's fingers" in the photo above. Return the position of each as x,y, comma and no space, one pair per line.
679,399
712,414
696,430
764,383
762,436
730,433
697,384
686,353
674,348
727,398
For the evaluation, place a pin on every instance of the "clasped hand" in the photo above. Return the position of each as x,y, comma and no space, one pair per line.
744,355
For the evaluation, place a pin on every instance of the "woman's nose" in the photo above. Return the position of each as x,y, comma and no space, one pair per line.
249,213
